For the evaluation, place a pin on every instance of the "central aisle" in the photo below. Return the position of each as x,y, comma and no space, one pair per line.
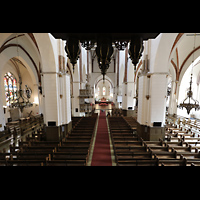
101,153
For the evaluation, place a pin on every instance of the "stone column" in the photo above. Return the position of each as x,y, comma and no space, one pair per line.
51,106
152,105
127,98
67,125
75,99
173,98
124,96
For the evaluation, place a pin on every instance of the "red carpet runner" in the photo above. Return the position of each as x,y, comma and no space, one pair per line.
101,153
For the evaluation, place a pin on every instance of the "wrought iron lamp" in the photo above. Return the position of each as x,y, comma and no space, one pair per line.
22,102
189,106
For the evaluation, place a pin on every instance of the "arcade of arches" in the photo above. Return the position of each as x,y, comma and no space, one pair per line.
41,62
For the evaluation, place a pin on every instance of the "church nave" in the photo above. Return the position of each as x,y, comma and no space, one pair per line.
99,99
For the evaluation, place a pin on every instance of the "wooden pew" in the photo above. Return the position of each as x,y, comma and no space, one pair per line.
125,156
129,151
72,151
24,163
65,163
139,162
193,163
165,155
191,156
31,156
173,162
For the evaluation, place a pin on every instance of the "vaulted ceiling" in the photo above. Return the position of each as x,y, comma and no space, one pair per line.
186,48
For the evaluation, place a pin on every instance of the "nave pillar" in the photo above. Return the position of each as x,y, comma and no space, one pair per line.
57,110
128,88
173,98
66,108
75,99
127,98
115,95
152,105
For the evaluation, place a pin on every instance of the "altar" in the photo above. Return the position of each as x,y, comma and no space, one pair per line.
103,99
103,102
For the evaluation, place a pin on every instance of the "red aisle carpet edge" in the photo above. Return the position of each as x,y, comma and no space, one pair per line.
101,153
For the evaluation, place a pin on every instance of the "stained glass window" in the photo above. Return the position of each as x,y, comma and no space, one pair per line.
10,85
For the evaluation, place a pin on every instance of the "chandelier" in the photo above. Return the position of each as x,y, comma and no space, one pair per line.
22,102
103,44
88,44
73,50
121,45
135,50
189,106
104,51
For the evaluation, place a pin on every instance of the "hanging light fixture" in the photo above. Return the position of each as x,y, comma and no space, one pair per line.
104,51
87,44
73,50
135,50
189,106
121,45
22,102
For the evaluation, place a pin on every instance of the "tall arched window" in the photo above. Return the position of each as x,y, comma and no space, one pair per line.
104,91
10,85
